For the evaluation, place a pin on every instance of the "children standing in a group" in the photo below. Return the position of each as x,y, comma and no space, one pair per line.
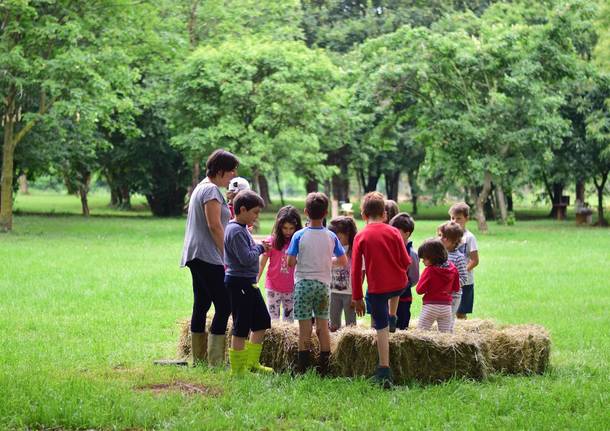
438,281
311,250
250,316
406,225
459,213
386,262
279,282
451,235
341,284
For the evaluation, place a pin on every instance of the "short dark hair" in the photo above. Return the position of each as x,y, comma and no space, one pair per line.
404,222
247,199
452,231
461,208
220,161
373,204
433,250
316,204
391,209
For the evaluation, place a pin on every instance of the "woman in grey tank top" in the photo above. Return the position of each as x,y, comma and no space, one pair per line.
203,253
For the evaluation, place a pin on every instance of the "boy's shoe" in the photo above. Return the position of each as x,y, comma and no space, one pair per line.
303,361
392,323
216,349
253,355
383,377
238,360
323,364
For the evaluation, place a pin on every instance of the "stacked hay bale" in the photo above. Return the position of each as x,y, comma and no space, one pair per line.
475,349
519,349
414,355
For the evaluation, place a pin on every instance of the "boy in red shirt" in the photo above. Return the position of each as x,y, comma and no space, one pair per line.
386,262
437,283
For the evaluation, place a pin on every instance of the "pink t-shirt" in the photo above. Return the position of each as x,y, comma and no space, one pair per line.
280,277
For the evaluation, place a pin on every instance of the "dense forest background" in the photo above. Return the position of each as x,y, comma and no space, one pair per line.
480,99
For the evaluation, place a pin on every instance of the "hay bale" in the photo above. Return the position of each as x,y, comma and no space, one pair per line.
184,340
426,356
474,325
476,348
519,349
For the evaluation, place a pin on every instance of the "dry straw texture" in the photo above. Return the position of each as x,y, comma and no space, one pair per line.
475,349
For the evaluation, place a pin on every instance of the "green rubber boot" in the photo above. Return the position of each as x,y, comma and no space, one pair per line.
253,357
238,360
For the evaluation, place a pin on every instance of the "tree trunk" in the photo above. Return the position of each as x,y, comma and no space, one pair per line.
115,197
414,190
509,200
480,203
371,183
264,189
83,190
311,185
24,188
391,185
125,198
195,178
279,187
489,208
556,193
6,181
501,203
340,182
580,191
601,221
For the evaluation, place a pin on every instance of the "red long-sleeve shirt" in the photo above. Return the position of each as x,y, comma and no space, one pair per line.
385,258
437,283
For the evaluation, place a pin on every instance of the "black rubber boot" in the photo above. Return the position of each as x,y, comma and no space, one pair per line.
323,364
383,377
303,361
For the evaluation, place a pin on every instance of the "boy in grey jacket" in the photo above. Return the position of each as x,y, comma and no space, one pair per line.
250,315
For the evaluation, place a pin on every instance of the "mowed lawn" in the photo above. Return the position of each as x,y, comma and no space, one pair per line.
86,305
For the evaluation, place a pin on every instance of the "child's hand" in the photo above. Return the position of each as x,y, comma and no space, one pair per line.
266,245
359,306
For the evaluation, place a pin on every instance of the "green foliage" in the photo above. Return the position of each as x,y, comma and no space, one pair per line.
260,100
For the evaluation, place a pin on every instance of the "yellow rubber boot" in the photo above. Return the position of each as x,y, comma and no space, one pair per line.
238,360
253,358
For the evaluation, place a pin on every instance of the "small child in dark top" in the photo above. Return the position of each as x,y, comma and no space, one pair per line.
438,281
250,315
405,225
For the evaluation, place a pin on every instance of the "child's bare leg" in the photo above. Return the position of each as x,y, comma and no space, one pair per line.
383,346
257,337
393,304
238,343
304,334
323,334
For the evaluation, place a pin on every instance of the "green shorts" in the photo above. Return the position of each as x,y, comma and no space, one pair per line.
311,297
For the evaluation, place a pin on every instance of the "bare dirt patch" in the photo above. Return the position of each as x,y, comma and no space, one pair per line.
182,387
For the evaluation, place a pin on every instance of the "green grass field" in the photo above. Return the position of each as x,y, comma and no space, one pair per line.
88,304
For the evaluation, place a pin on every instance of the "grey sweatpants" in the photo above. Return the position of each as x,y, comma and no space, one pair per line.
341,302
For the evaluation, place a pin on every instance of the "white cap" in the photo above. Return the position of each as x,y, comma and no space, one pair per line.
238,184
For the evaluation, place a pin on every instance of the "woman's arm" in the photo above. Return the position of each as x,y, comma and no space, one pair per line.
212,210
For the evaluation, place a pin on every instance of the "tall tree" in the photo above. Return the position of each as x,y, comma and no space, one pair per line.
51,65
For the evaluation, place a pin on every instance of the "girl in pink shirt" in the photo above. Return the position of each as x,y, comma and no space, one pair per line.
279,282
